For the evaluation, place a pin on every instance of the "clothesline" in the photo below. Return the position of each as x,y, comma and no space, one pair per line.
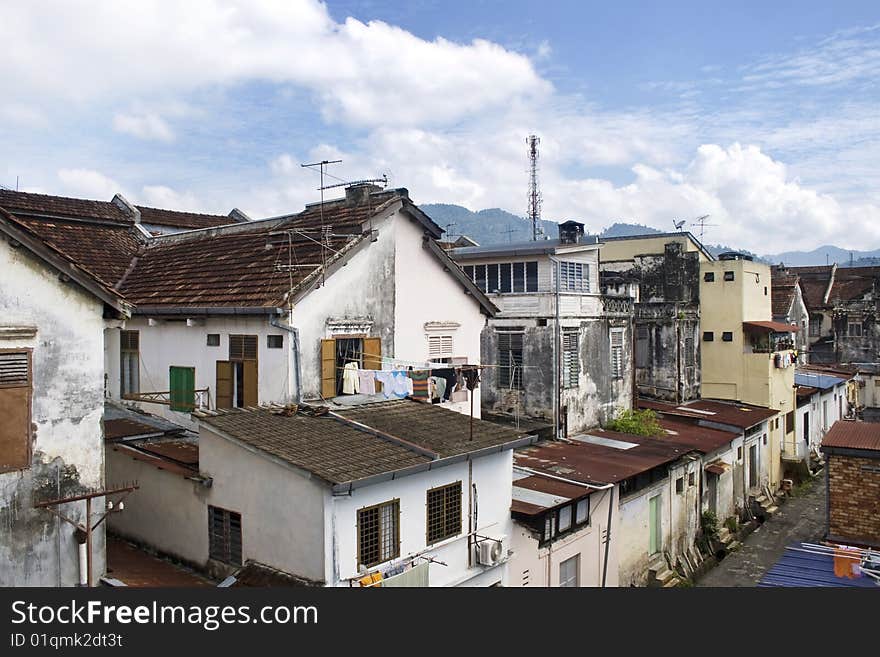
428,365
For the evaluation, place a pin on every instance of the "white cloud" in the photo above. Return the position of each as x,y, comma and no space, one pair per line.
88,183
143,126
160,196
366,73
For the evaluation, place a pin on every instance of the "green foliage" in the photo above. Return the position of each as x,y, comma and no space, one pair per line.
731,524
636,422
709,525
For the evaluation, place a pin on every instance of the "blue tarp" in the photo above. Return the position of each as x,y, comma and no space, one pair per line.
821,381
797,568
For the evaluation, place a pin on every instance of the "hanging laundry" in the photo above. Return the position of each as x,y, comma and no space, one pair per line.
367,381
387,379
438,391
400,384
350,383
471,376
420,383
449,376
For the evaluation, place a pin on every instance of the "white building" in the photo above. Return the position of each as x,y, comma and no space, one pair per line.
373,490
822,401
271,311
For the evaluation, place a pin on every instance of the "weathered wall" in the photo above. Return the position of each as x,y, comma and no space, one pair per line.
535,566
854,499
36,548
492,475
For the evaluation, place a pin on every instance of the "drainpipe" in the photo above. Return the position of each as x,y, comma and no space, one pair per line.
607,536
83,558
293,367
557,391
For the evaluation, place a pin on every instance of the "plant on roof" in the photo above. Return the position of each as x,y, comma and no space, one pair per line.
636,422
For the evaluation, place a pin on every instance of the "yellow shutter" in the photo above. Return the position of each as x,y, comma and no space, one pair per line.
372,353
328,368
251,398
224,384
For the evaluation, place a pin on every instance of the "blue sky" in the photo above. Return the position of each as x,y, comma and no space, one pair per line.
763,115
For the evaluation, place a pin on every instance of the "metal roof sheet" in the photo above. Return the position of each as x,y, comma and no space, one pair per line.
848,434
800,567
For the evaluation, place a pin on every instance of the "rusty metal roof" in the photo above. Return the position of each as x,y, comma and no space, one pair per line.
721,412
118,428
690,434
849,434
777,327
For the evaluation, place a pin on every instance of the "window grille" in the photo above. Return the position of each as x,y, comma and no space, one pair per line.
378,533
444,512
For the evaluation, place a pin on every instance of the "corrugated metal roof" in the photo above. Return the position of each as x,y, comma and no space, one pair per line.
816,380
800,567
849,434
777,327
722,412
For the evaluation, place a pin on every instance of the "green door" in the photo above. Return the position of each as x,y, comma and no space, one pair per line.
654,520
183,386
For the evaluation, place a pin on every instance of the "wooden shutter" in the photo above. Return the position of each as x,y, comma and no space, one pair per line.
224,384
328,368
15,410
372,353
242,347
183,385
251,397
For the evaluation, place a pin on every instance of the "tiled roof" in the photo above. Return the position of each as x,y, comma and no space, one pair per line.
26,203
177,219
783,292
395,435
255,574
853,435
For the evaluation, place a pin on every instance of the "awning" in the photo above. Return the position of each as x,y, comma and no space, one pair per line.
776,327
717,467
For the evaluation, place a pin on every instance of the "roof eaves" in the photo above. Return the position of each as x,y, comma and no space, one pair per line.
63,263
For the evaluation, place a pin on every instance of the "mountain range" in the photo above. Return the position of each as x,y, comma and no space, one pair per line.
497,226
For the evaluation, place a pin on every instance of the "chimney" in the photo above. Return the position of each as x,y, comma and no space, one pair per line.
571,232
359,194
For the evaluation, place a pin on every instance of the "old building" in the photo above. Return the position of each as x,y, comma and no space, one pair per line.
788,307
399,492
557,349
274,310
852,455
822,401
664,271
745,355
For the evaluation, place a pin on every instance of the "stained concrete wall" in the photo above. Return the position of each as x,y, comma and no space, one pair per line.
36,548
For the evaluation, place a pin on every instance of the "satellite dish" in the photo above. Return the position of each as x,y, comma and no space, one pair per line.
388,175
678,224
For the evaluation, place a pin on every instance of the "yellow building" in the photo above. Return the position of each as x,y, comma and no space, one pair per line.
745,356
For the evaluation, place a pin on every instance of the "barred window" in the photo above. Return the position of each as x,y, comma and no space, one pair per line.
224,535
570,360
617,353
444,512
378,533
510,359
574,277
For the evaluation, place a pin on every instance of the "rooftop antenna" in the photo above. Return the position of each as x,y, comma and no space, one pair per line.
701,222
510,230
449,233
678,224
321,167
534,195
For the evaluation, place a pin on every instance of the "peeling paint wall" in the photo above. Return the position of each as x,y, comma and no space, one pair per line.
36,548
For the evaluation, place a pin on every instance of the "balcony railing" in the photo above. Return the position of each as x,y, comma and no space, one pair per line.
186,399
613,305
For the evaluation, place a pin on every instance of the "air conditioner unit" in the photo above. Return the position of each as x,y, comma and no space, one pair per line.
491,551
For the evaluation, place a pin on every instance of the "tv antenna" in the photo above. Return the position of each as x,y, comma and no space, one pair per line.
350,183
449,233
701,222
510,231
678,224
535,199
322,168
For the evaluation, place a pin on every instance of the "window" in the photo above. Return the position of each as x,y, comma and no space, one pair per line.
439,346
764,437
854,330
510,360
642,333
504,277
815,326
765,290
563,519
129,358
679,485
807,426
574,277
789,422
213,340
506,271
709,277
708,336
728,276
519,277
570,359
582,511
617,353
224,535
237,377
727,336
739,453
336,353
690,354
691,479
492,278
183,388
274,341
777,424
444,512
480,276
15,409
532,276
568,572
378,533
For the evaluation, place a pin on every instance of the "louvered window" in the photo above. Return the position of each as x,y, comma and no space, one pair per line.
574,277
129,361
242,347
224,535
439,346
15,410
617,353
510,360
570,360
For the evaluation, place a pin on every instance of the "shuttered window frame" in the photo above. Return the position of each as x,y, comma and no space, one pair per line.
571,365
510,360
616,339
16,386
224,535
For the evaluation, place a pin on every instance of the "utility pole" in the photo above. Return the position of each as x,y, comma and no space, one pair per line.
534,194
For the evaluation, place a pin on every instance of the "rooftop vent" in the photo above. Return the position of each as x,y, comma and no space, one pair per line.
359,193
734,255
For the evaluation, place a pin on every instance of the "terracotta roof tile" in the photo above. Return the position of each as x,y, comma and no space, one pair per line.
26,203
177,219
